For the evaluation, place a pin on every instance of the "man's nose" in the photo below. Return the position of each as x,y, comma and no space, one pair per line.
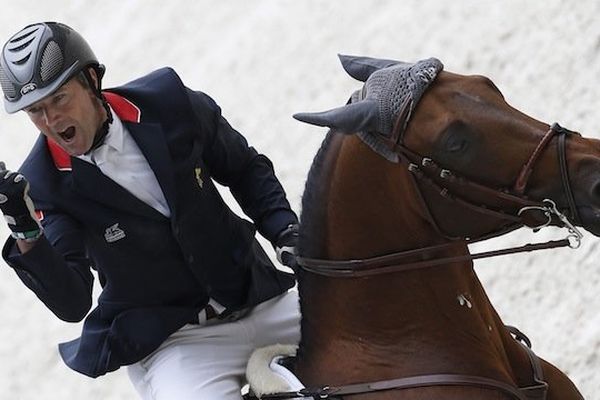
50,116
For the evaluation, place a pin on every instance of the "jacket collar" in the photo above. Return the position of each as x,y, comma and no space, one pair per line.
125,110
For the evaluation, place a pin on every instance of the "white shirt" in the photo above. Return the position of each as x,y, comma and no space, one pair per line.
120,158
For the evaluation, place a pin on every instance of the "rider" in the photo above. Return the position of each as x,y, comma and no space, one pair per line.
122,181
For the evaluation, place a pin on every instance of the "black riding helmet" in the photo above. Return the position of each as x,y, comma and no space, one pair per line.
39,59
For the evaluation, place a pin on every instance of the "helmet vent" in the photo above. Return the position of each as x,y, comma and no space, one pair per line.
20,47
28,32
22,60
7,86
52,61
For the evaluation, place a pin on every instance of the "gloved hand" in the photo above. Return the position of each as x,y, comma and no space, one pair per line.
17,207
285,246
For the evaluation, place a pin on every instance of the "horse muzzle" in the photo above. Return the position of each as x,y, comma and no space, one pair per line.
590,219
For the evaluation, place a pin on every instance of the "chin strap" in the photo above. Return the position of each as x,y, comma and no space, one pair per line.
103,130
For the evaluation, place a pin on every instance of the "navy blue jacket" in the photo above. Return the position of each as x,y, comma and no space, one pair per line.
156,272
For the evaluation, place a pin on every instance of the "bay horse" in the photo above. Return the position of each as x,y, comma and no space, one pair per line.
420,163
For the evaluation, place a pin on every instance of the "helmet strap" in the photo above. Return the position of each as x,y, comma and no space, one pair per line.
103,130
96,85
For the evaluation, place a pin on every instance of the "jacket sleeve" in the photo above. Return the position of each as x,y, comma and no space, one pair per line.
248,174
56,268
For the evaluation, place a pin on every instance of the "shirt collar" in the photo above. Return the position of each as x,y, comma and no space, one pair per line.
113,140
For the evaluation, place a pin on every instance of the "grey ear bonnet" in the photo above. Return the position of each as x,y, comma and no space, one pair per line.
388,86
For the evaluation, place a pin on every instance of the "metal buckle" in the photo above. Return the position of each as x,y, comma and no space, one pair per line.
426,162
574,237
414,168
321,393
445,174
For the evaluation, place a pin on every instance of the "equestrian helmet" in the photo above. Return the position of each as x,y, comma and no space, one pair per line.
39,59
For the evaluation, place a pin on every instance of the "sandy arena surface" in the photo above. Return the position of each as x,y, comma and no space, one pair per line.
263,61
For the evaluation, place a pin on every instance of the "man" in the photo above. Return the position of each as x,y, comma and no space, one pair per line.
121,181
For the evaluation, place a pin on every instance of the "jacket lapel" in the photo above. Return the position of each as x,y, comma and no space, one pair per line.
151,141
90,182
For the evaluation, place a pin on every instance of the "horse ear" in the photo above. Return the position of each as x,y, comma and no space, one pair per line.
351,118
360,68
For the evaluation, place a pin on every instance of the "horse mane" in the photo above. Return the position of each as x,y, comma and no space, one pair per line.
311,241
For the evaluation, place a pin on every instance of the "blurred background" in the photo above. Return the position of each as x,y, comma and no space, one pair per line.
264,60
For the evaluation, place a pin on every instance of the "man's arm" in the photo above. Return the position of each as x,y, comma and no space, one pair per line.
248,174
50,260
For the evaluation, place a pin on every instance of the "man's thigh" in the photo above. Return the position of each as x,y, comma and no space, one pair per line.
276,321
194,363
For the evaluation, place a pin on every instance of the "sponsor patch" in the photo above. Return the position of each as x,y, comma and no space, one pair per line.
114,233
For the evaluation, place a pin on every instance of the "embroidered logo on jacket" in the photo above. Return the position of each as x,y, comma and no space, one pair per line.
114,233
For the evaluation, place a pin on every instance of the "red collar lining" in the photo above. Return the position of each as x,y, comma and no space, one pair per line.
125,110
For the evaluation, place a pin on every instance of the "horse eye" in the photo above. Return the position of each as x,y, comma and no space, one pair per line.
456,143
456,138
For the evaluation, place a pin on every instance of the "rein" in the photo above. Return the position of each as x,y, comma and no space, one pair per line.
394,262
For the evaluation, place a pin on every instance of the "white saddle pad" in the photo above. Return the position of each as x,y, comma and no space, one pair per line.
266,376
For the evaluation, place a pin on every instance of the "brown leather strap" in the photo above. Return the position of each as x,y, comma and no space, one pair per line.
564,171
428,381
400,384
539,389
450,185
400,123
523,178
394,262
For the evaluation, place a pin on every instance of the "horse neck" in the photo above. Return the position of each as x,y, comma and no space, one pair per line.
349,322
373,206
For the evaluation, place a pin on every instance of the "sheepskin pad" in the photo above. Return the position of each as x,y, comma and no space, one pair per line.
266,376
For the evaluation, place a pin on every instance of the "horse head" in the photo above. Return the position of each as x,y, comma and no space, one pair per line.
494,161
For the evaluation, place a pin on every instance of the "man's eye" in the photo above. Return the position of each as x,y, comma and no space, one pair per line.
33,110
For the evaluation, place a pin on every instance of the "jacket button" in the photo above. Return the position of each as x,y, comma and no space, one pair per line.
190,259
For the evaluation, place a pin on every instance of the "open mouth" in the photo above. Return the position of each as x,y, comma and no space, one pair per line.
68,134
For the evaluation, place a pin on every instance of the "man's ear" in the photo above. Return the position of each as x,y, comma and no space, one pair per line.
94,76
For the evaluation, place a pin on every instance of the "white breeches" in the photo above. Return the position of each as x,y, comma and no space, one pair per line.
208,361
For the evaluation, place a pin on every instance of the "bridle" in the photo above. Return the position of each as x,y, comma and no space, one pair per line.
517,210
451,185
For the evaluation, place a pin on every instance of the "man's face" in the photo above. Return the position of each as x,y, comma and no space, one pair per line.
70,116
